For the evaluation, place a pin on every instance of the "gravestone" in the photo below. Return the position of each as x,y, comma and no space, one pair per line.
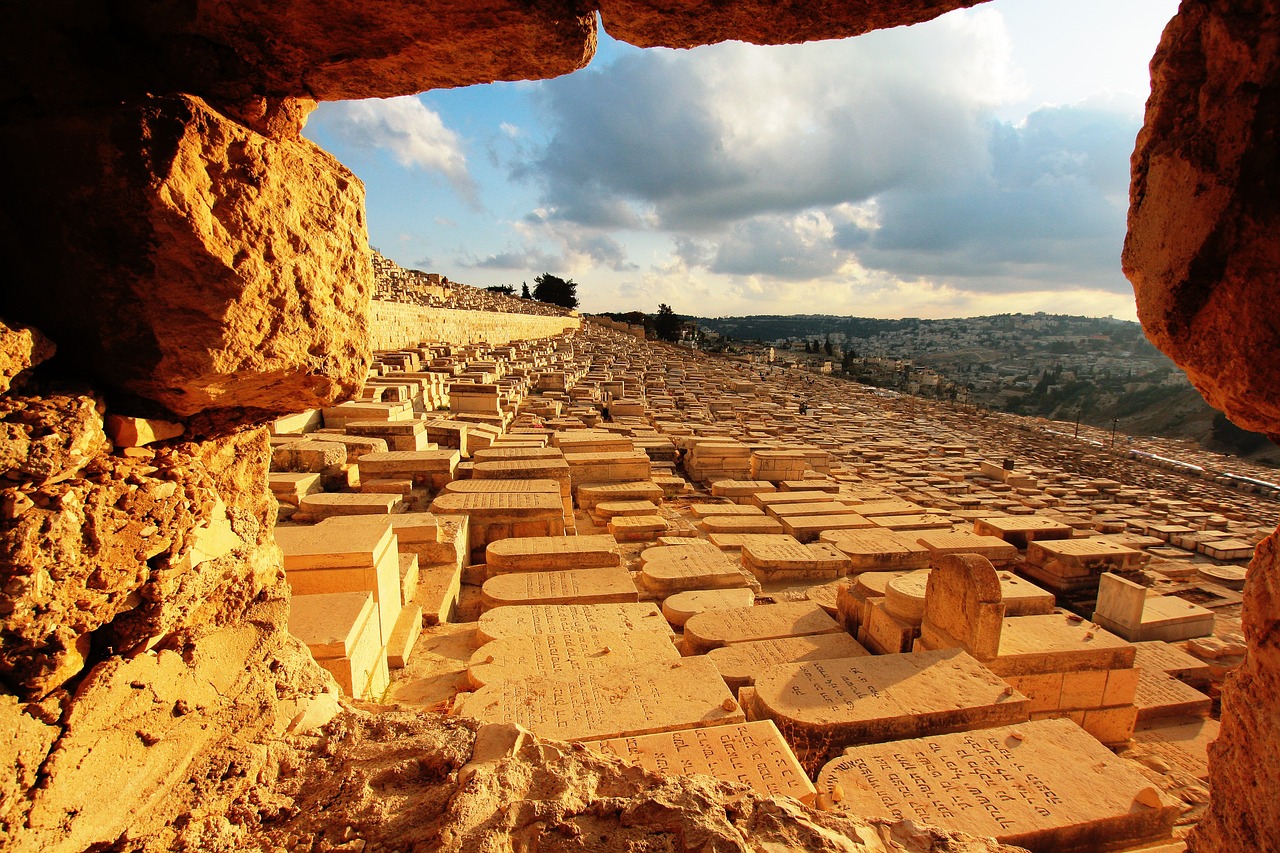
570,586
557,654
530,619
740,663
752,754
1047,786
545,553
717,628
609,703
963,607
822,705
670,569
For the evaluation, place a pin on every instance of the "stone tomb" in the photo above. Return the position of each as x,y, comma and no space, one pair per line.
678,609
668,569
877,549
346,558
717,628
822,705
559,654
774,558
1125,609
340,629
941,543
752,754
1046,786
609,703
963,607
1018,530
526,620
611,585
499,515
546,553
740,663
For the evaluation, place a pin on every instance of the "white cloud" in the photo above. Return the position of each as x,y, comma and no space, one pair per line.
415,136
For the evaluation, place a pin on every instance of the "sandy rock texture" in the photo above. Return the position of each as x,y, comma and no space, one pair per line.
393,780
143,647
1202,249
1244,812
179,257
1202,252
688,23
21,348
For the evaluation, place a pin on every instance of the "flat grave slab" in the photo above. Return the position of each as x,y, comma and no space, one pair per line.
740,663
717,628
1182,744
669,569
326,504
509,507
569,619
683,606
783,558
558,654
546,553
1161,695
1018,530
610,703
809,528
877,549
925,521
1070,557
610,585
740,524
752,754
707,510
1047,786
823,704
1058,643
940,543
877,508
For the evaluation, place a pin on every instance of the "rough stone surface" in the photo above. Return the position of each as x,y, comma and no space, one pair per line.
1244,811
1205,205
127,552
688,23
240,262
21,348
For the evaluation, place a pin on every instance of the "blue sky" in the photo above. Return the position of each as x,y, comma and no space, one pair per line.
974,164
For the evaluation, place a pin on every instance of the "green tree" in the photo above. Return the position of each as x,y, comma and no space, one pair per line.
666,324
827,348
555,290
524,290
504,289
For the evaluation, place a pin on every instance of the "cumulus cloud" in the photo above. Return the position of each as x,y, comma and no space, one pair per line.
880,153
415,136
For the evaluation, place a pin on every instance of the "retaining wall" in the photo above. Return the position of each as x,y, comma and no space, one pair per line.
393,325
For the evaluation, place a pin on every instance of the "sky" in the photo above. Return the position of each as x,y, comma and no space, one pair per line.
974,164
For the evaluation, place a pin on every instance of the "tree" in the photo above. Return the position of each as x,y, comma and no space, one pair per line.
555,290
504,289
524,290
827,348
666,324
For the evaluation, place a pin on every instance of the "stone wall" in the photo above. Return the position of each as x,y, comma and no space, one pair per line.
394,325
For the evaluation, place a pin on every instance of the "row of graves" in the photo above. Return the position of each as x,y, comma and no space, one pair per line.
776,580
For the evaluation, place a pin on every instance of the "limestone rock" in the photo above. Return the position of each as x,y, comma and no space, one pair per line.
688,23
125,431
46,440
238,274
1204,221
288,49
21,348
1244,813
126,553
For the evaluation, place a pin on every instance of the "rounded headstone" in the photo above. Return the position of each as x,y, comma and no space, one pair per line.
679,608
904,596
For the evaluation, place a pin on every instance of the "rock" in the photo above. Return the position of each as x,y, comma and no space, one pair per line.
125,431
46,440
247,280
689,23
21,348
1204,220
1244,813
291,49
